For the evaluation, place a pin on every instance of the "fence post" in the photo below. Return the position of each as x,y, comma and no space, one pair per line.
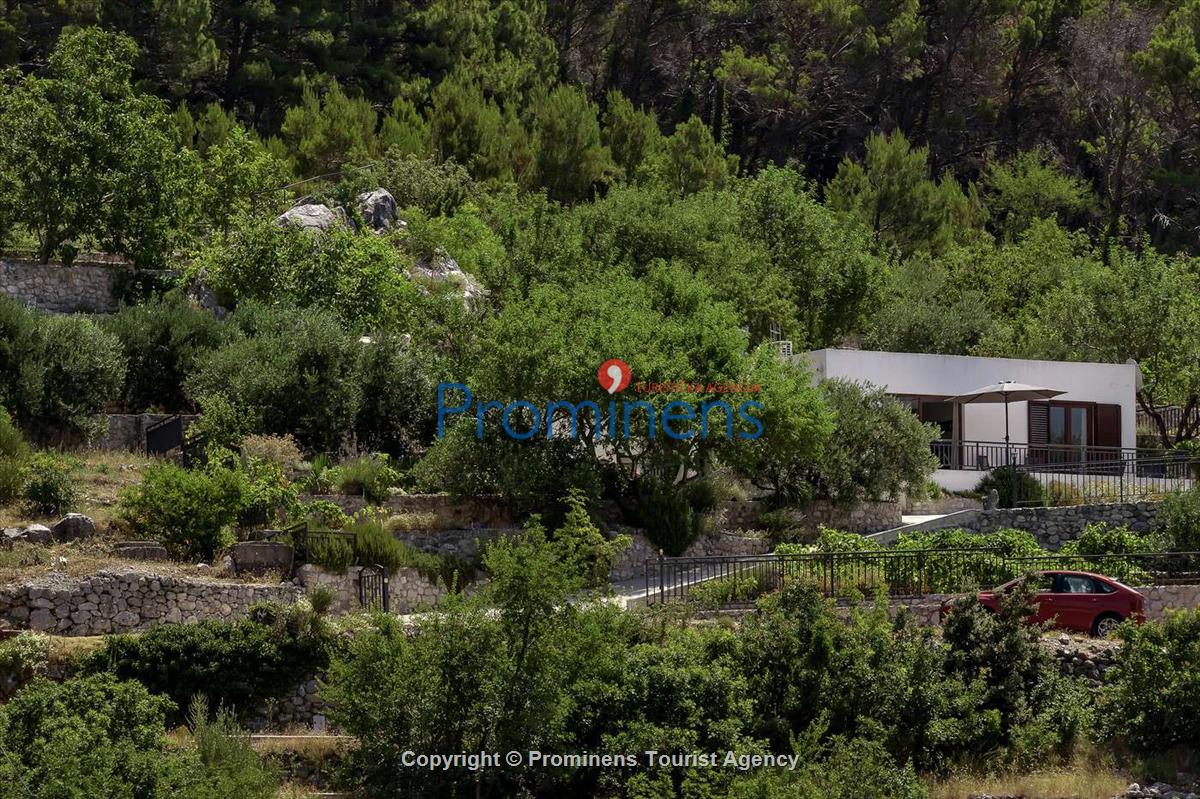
662,586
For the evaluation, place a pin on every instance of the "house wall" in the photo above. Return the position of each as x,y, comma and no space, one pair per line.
949,375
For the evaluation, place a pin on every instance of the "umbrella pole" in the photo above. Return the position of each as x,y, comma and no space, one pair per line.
1007,449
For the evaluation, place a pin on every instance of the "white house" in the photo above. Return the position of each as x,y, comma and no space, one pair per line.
1092,420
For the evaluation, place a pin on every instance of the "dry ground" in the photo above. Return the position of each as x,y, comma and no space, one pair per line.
100,478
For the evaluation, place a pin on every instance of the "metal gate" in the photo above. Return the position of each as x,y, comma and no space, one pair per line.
373,587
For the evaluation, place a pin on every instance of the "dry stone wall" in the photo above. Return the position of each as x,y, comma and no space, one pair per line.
1052,527
63,289
128,600
408,589
631,562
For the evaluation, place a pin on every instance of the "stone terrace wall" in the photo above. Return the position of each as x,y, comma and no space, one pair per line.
53,287
448,512
867,517
1056,526
631,562
1052,527
129,600
408,589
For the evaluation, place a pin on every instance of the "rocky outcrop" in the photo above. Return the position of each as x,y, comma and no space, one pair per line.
73,527
441,268
378,210
316,217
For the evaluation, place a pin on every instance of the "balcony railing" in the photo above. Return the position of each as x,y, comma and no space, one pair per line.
983,456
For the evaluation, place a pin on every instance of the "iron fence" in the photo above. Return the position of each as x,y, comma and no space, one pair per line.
1129,479
738,581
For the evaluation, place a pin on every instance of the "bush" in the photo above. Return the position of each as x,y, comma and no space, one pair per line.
583,548
663,511
1151,698
333,553
14,453
280,451
290,372
23,657
878,448
190,512
398,411
369,476
1013,487
236,665
92,736
358,278
83,371
50,485
1178,520
162,341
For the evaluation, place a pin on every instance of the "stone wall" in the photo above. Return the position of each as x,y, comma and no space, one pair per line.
866,517
946,504
1052,527
64,289
128,600
446,512
408,589
631,563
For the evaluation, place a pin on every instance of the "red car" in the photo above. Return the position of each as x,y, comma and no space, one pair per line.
1071,600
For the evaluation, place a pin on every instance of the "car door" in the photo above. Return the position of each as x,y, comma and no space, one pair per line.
1044,583
1075,601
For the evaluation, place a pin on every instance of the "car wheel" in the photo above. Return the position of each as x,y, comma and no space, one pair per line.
1105,624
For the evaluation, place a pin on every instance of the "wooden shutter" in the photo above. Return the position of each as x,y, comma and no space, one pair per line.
1039,423
1107,431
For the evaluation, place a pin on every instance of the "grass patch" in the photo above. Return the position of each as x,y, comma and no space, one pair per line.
98,480
1079,780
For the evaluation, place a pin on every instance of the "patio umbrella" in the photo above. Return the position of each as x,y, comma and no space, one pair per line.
1006,391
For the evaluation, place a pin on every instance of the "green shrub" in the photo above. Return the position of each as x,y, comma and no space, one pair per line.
1012,487
191,512
1151,697
91,736
715,594
233,765
583,547
878,447
321,514
357,278
369,476
664,512
1103,539
50,485
14,453
84,370
162,340
236,665
1178,520
333,553
23,657
290,371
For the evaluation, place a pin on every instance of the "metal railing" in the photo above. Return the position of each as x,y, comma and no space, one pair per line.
718,582
1134,479
983,456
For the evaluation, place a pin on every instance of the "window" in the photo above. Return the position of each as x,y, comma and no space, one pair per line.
1075,584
